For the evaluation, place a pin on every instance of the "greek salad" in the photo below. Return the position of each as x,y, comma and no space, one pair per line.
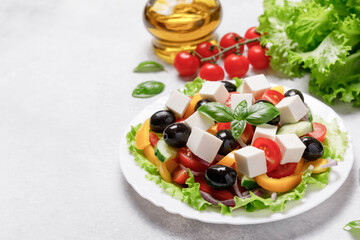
237,143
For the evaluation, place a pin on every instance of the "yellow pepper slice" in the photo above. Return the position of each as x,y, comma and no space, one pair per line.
279,88
228,160
142,136
213,129
191,108
150,155
317,165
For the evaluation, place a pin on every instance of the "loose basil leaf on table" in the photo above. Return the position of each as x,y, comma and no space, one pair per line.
148,89
149,66
353,225
261,113
217,111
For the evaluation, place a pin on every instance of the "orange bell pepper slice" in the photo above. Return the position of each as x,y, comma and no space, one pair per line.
142,136
191,108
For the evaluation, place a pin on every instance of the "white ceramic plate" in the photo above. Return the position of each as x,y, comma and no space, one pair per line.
135,176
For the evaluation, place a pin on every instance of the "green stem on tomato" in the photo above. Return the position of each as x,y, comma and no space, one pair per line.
237,46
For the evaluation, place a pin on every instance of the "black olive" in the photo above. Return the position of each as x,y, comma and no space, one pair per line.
314,148
220,176
201,102
230,87
275,121
293,92
161,119
177,134
263,101
229,142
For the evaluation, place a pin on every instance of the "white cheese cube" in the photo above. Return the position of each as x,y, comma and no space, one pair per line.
265,131
250,161
177,102
291,147
199,120
203,144
214,91
292,109
256,85
238,98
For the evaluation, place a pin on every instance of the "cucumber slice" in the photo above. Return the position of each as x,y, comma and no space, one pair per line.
164,152
299,128
248,183
309,115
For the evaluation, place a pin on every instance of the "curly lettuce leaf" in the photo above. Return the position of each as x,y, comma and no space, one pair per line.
336,141
351,28
193,87
311,24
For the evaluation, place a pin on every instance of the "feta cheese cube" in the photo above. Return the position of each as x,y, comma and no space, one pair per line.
199,120
238,98
177,102
291,147
292,109
250,161
265,131
214,91
256,85
203,144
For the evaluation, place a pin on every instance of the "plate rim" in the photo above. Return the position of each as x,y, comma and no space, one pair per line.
223,219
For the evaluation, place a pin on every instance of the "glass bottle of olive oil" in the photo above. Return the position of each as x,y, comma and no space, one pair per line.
179,25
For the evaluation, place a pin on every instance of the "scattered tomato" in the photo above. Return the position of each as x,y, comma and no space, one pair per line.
153,138
222,126
229,40
186,64
250,34
272,96
180,175
283,170
236,66
205,50
247,134
190,160
212,72
228,101
272,152
319,131
258,58
217,194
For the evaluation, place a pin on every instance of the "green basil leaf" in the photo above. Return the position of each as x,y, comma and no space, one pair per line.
261,113
149,66
241,110
148,89
217,111
237,128
353,225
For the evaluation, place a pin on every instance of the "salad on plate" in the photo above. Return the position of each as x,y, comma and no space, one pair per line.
237,144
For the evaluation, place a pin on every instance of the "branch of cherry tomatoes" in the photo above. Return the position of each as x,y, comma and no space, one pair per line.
231,47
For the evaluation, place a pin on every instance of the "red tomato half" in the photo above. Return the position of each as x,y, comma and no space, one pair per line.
153,138
217,194
190,160
247,134
319,132
212,72
228,101
272,96
222,126
180,175
252,33
272,152
229,40
283,170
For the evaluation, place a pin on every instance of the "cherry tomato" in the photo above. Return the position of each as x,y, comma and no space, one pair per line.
229,40
190,160
186,64
228,101
272,96
247,134
319,131
258,58
250,34
236,66
272,152
212,72
283,170
153,138
180,176
217,194
205,50
222,126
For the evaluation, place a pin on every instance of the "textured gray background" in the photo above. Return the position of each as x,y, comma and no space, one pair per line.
65,96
